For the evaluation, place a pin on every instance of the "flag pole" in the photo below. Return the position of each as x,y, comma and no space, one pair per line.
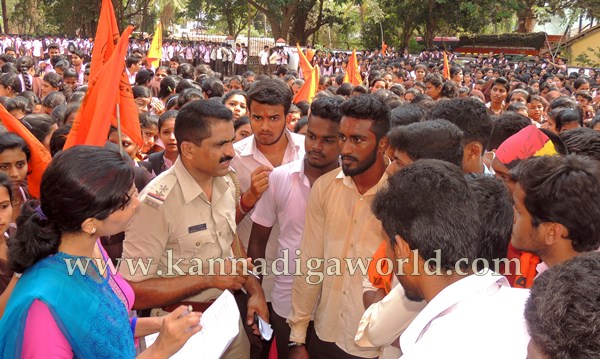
119,129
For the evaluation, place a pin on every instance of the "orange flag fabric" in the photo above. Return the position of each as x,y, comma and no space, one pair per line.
308,91
352,72
107,35
310,53
40,157
305,65
98,107
446,67
384,47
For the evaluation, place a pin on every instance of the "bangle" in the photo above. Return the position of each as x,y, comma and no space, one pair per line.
294,345
245,209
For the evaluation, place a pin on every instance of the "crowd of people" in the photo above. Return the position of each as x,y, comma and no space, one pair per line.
428,211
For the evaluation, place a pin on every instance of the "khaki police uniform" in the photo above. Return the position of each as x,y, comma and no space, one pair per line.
176,221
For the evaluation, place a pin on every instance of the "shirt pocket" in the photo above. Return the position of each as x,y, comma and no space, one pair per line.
200,244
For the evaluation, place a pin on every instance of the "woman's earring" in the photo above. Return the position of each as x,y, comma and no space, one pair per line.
93,230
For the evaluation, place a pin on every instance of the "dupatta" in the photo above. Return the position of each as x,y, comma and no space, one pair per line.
89,314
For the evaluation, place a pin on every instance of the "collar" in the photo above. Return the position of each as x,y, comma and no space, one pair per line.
247,147
447,298
349,182
191,189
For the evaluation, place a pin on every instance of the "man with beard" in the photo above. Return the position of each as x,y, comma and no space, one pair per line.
285,202
185,220
433,233
340,233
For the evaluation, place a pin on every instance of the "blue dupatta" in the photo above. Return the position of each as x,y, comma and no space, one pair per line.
89,314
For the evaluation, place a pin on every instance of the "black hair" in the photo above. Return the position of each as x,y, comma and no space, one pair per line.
6,183
141,91
304,107
132,60
502,82
167,85
54,99
368,107
147,120
583,142
20,103
496,215
54,79
344,89
188,95
143,77
302,122
429,204
433,139
562,116
449,88
186,71
11,80
271,92
244,120
406,114
504,126
579,82
39,125
80,183
195,119
327,108
516,106
24,63
212,87
360,89
595,121
565,190
167,115
231,93
565,296
470,115
58,139
9,141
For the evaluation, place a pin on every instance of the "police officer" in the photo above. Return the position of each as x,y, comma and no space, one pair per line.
186,218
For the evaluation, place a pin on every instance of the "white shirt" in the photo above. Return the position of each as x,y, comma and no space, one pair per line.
264,57
284,202
479,316
247,159
37,48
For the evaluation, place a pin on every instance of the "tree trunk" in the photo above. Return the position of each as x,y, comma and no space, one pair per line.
430,26
526,20
5,18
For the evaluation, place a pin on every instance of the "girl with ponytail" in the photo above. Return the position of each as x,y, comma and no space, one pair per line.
59,309
25,66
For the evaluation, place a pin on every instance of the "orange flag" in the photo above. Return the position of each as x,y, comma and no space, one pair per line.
310,53
107,35
352,72
384,47
311,86
304,63
446,67
98,107
40,157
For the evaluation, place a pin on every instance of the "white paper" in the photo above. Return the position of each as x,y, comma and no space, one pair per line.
266,332
220,325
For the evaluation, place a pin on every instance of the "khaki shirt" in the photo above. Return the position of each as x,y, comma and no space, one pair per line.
176,221
339,225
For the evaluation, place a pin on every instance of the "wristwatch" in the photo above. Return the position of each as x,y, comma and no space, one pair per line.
294,345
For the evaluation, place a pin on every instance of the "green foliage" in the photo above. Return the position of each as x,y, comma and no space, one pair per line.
585,60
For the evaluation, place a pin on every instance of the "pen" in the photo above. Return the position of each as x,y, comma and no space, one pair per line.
249,272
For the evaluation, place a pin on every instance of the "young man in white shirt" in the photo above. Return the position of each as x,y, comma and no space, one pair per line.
284,202
264,60
271,145
433,234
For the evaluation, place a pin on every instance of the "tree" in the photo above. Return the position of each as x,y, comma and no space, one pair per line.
232,13
279,14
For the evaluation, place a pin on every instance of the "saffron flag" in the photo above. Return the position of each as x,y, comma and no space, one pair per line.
98,107
446,67
155,52
305,65
40,157
384,47
310,53
352,72
311,85
107,35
